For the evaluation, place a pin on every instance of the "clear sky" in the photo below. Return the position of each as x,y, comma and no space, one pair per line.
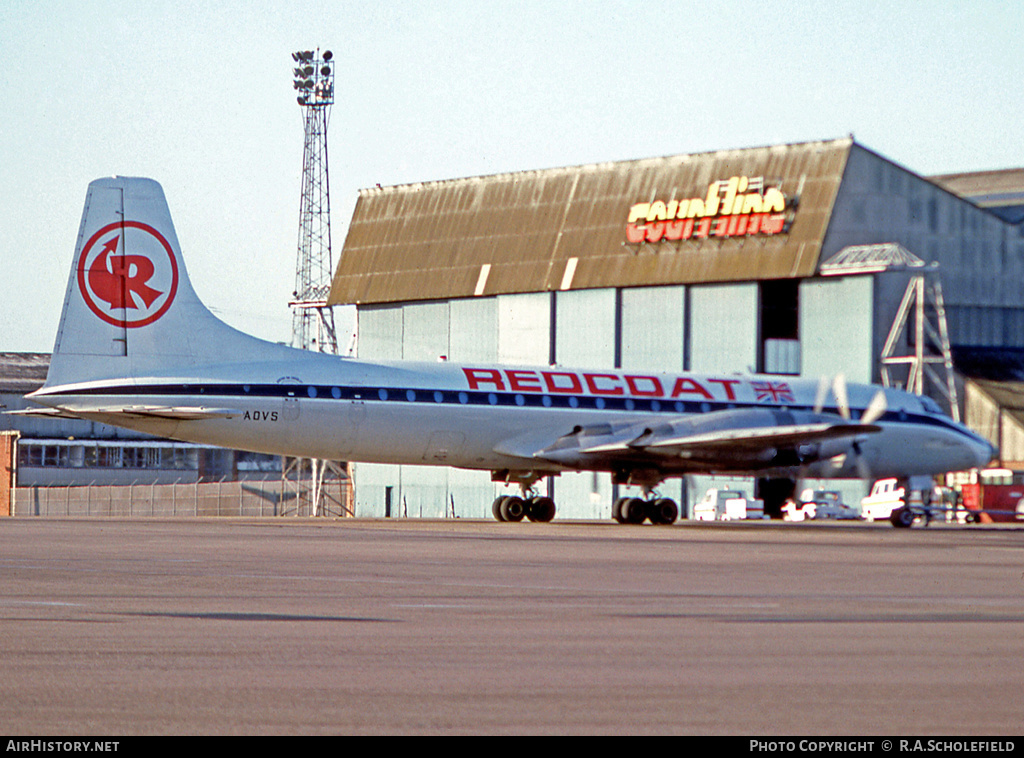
198,95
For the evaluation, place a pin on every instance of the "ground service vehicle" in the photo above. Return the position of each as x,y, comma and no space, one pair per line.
992,495
727,505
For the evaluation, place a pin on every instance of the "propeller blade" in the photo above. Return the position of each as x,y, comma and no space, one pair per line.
837,462
842,400
875,408
819,399
863,470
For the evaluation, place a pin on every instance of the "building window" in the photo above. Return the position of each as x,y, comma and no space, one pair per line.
87,455
779,351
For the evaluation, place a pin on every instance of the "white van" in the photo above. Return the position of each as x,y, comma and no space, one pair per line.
727,505
886,495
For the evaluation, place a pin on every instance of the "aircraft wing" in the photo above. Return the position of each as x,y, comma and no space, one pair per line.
751,439
739,439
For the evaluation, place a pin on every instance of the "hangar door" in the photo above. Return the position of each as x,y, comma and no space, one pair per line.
723,328
836,327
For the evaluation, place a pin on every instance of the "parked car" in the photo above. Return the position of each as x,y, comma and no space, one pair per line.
826,504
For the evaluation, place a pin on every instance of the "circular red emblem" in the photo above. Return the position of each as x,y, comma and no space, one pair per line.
127,274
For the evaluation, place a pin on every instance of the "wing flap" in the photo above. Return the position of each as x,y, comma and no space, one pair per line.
758,438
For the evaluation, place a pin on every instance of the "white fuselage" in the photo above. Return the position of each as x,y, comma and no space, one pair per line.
491,417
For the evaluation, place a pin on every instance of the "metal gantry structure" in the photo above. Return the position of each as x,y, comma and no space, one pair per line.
317,487
920,323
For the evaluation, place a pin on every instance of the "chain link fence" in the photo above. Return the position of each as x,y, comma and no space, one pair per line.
223,498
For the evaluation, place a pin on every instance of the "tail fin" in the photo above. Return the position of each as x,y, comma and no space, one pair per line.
130,309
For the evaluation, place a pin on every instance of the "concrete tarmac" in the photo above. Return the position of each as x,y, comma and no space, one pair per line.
286,626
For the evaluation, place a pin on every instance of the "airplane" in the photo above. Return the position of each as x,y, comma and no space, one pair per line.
136,348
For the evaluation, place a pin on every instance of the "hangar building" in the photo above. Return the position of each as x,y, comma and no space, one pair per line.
712,262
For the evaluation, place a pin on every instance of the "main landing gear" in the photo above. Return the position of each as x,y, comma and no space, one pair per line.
626,510
515,508
635,510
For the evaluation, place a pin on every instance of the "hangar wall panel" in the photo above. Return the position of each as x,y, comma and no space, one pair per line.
584,495
471,493
380,333
424,491
652,328
723,328
836,331
585,328
474,330
425,331
524,328
371,482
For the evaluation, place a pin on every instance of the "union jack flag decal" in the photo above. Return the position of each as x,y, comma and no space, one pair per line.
772,392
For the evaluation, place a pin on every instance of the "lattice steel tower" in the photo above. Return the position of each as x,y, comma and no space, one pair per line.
312,319
311,486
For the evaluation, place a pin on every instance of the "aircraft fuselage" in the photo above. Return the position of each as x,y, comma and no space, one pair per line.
501,417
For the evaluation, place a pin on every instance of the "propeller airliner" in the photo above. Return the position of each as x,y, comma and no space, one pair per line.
137,349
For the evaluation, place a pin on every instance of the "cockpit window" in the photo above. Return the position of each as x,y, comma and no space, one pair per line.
930,406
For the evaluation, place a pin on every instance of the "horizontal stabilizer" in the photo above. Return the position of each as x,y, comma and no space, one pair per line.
177,413
41,413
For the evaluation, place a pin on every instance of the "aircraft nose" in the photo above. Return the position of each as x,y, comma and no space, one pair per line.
986,452
981,451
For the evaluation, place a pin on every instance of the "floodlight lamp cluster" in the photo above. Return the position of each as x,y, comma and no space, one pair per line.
314,77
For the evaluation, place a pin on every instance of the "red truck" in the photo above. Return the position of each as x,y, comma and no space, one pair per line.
995,494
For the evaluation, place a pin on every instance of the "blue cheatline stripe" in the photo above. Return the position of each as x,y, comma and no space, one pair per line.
414,395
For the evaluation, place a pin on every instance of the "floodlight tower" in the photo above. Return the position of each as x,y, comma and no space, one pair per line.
319,487
312,318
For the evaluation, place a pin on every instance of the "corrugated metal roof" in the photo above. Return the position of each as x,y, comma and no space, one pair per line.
982,183
1001,192
566,228
23,372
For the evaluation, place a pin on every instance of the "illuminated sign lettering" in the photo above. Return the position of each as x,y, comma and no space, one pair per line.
736,207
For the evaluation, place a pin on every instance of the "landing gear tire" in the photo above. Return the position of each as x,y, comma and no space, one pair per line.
662,511
540,509
633,510
617,510
496,507
902,518
512,508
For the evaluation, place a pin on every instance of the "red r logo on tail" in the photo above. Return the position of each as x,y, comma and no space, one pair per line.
132,289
